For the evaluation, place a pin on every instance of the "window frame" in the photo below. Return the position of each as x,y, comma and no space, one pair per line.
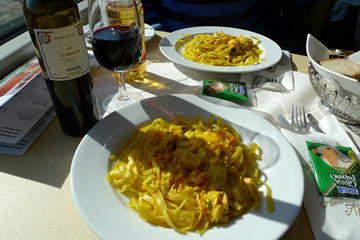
18,50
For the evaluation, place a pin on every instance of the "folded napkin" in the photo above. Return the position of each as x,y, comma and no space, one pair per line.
282,71
329,217
277,102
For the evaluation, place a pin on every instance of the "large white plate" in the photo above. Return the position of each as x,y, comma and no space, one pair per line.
172,49
106,211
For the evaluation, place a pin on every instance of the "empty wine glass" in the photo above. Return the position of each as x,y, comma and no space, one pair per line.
115,31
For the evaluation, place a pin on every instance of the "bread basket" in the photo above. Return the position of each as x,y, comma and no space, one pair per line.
334,99
339,94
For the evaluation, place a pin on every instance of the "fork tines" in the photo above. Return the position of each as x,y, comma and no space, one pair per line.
298,117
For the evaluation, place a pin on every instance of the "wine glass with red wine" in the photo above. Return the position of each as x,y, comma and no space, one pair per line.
115,31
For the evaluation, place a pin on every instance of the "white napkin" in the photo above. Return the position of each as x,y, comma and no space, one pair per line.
282,71
276,102
329,217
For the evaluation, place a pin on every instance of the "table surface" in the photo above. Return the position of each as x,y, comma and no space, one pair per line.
36,199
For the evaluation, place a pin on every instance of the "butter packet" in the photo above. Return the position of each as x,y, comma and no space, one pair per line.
336,170
225,90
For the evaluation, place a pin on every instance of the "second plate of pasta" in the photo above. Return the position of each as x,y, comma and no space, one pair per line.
107,211
173,45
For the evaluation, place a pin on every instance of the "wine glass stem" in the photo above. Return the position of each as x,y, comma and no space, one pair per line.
122,87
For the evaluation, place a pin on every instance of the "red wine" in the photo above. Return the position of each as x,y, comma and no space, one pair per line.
120,14
56,32
117,48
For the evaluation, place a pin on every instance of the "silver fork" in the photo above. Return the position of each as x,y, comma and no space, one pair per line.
298,118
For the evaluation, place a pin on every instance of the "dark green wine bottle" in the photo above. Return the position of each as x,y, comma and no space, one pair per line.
57,35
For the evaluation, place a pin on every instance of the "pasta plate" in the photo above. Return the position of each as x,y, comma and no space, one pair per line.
106,211
172,49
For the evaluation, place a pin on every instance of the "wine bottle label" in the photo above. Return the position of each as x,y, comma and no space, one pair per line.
64,52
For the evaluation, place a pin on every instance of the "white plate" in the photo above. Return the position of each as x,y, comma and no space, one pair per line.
149,34
172,49
106,211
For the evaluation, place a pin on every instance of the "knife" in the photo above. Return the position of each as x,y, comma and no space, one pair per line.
314,123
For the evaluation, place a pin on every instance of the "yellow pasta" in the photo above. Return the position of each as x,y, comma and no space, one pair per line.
187,174
222,49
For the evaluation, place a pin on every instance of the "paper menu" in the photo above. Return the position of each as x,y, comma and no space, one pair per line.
23,110
19,148
25,116
14,82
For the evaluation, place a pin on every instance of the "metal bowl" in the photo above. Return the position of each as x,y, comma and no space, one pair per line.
334,99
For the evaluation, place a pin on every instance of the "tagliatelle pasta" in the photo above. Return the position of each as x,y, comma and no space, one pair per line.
187,174
222,49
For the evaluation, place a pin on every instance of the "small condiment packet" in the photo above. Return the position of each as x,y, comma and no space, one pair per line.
225,90
336,169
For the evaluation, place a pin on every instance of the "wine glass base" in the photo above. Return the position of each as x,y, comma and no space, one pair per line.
113,103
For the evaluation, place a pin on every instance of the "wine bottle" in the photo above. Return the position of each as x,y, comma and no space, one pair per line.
57,35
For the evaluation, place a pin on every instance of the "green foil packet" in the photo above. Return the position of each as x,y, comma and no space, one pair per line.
336,170
225,90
